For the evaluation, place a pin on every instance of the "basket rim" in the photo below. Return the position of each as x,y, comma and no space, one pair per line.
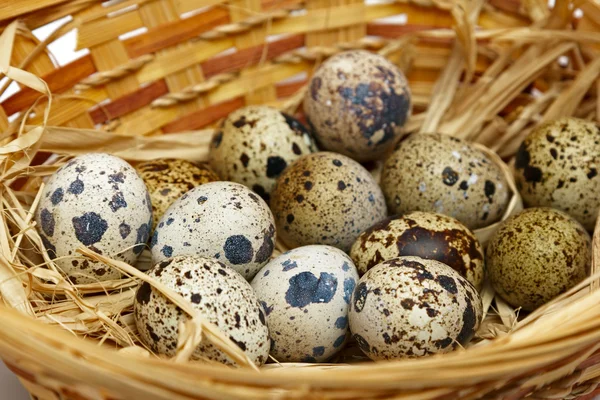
531,353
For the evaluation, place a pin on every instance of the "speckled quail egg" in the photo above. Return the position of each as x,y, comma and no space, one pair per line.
446,175
357,104
306,292
326,198
422,234
255,145
557,166
96,201
223,220
167,179
412,307
537,255
220,294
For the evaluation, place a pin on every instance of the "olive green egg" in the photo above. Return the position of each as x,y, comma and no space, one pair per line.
536,255
557,166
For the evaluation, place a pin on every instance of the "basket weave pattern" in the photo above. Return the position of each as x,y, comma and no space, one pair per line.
160,74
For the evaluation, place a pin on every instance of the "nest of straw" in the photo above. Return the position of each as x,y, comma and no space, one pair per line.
487,72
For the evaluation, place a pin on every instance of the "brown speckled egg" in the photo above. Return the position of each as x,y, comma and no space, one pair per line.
167,179
422,234
219,293
446,175
537,255
326,198
357,104
412,307
557,166
255,145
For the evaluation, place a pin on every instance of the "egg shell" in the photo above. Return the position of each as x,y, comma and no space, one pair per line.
222,297
167,179
326,198
537,255
446,175
96,201
412,307
223,220
422,234
306,292
557,166
357,104
255,144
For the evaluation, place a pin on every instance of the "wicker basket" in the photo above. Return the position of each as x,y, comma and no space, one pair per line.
484,71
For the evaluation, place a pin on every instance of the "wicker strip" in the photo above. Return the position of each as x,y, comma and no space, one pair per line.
294,57
161,13
102,78
176,32
244,26
104,30
26,6
193,92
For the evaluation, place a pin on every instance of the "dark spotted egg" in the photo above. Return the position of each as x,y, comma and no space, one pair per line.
446,175
222,297
326,198
96,201
167,179
357,104
255,144
557,166
223,220
537,255
305,293
413,307
422,234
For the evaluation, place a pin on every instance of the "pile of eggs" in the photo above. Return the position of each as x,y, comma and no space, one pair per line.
392,265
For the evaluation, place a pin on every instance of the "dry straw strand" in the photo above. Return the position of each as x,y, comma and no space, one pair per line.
201,325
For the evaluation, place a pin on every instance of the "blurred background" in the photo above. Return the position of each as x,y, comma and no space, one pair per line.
11,387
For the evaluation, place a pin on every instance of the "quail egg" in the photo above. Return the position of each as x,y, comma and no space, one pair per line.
167,179
220,294
96,201
557,166
255,145
357,104
422,234
223,220
537,255
306,292
443,174
326,198
412,307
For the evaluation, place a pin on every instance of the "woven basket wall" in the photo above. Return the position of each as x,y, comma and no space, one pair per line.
485,71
